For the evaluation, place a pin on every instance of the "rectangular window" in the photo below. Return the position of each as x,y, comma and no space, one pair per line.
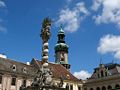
0,79
13,81
71,87
67,86
85,88
24,83
79,88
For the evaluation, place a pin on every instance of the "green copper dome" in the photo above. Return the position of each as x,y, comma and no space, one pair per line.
61,45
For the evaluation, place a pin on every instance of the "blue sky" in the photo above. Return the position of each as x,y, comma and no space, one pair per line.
92,30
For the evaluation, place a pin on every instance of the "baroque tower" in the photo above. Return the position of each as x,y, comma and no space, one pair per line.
61,50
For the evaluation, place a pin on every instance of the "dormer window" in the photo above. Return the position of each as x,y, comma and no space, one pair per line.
24,70
14,67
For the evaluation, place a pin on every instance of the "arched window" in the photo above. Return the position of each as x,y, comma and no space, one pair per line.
117,86
109,87
98,88
103,88
102,75
91,88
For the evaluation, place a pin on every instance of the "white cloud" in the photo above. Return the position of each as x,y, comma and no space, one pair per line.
110,44
2,4
1,20
96,4
72,18
110,11
3,29
69,1
82,74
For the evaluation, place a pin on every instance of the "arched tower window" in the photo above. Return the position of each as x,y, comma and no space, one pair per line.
62,56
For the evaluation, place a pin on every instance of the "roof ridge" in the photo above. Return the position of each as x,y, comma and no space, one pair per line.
12,60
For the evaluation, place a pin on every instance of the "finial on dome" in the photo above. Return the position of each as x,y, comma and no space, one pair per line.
61,30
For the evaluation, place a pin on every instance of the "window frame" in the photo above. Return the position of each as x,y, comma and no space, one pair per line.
1,78
71,87
13,81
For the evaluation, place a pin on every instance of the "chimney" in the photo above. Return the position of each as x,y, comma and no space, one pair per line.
28,63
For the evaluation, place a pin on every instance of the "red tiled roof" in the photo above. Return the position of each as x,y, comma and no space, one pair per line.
59,70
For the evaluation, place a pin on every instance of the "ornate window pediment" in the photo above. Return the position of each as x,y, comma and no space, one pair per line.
24,70
101,71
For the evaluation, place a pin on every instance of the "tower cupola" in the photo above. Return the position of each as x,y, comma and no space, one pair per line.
61,45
